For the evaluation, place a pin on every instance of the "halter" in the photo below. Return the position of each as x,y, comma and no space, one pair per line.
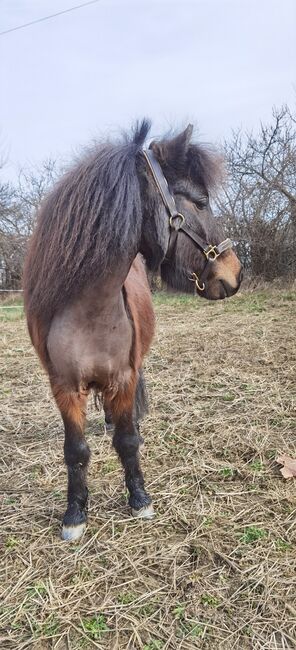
177,223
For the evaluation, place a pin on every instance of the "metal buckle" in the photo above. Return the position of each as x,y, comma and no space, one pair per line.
211,253
195,278
172,221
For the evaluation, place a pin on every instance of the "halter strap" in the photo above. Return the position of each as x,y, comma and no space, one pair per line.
177,223
161,183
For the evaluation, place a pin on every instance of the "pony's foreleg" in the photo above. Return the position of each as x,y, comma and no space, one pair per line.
126,442
72,406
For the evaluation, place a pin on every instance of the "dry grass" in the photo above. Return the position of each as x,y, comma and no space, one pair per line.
216,569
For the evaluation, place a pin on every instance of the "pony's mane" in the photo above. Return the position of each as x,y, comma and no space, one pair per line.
89,220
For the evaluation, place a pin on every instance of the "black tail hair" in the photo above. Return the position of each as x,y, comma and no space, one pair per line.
141,401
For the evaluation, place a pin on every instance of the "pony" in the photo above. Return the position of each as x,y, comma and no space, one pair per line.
119,211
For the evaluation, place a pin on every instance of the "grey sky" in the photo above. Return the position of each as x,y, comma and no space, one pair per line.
219,63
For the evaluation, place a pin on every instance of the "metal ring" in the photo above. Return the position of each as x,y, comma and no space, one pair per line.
195,279
176,216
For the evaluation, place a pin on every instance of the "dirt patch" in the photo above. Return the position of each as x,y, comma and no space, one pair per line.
216,568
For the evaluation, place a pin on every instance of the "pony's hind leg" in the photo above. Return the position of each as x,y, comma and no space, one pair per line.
72,406
126,441
140,408
108,425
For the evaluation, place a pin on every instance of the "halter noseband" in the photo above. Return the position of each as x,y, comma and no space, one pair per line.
177,222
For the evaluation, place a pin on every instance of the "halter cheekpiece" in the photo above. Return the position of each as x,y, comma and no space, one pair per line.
177,223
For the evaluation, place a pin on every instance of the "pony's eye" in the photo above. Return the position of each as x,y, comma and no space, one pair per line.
201,204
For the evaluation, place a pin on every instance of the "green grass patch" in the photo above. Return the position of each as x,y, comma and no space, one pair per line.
190,629
252,303
252,534
154,644
148,609
176,300
37,589
110,466
179,611
289,296
126,598
207,599
11,307
95,626
282,545
11,542
10,313
228,397
208,521
256,465
47,628
227,472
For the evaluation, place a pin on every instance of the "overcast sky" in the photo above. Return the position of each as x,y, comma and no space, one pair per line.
222,64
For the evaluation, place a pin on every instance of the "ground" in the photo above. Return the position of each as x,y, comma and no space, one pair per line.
216,568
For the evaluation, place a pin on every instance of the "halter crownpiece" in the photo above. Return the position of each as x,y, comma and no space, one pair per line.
177,222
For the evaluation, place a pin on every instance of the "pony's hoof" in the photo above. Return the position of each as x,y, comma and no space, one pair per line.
72,533
144,513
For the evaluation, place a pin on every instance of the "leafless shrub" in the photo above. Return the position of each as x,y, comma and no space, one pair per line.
17,212
258,204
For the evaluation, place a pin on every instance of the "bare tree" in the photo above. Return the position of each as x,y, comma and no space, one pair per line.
33,184
17,213
259,202
11,238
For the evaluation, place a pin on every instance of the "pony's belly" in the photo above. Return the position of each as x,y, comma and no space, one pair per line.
84,355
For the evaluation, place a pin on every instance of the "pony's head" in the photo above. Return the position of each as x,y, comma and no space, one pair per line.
180,232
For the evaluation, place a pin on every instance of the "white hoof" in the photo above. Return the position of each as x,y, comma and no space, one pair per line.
72,533
144,513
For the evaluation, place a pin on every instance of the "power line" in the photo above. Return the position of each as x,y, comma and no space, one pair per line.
40,20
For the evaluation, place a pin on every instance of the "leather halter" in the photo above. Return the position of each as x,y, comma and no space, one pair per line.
177,223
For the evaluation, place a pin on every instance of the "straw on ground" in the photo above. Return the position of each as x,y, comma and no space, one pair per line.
216,568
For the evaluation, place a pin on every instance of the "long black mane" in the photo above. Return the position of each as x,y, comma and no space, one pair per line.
89,220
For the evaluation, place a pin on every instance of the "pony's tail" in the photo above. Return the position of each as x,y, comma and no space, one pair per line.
141,402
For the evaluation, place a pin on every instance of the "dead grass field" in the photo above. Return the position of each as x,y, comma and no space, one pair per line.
217,567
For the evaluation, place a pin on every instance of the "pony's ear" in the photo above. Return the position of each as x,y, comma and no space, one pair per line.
173,152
